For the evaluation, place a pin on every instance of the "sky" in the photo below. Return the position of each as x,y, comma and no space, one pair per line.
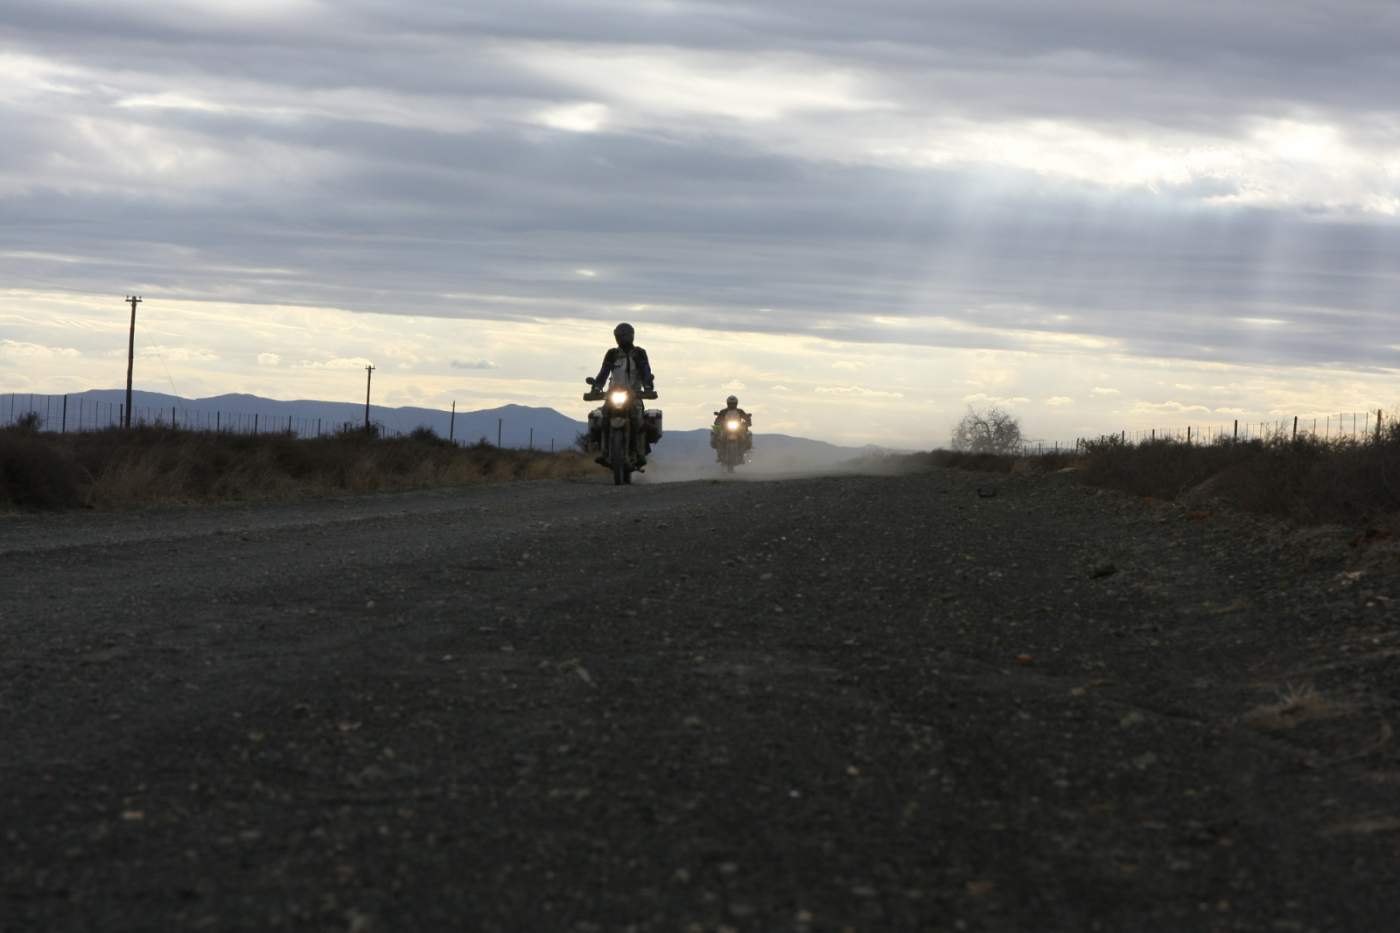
860,218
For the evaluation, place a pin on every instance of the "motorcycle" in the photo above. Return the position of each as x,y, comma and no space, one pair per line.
733,442
616,432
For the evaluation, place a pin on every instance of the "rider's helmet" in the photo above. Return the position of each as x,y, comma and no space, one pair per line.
732,401
624,333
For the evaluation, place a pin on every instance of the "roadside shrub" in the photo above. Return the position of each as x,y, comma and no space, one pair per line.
37,474
151,464
352,431
1307,479
423,434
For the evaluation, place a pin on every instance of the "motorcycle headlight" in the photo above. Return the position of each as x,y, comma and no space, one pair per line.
619,398
732,425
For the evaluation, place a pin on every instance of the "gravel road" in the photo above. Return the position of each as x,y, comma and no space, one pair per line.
825,704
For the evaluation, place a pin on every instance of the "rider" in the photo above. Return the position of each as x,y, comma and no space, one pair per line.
732,410
627,366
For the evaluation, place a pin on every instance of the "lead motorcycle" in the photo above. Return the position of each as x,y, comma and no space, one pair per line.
620,431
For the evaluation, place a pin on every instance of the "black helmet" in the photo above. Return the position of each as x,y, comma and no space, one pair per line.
624,333
732,401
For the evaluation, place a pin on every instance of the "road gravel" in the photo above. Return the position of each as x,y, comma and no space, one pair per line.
829,703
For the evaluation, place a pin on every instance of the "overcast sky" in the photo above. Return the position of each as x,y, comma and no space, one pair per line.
862,217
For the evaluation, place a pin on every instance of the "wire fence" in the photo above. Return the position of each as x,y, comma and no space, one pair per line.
69,414
1353,425
75,413
1342,426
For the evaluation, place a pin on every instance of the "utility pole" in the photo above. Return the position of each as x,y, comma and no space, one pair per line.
369,376
498,431
132,300
452,424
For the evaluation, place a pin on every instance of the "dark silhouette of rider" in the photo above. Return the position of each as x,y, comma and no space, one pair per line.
626,366
732,410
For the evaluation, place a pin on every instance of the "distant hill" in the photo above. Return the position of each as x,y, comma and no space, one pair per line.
519,425
308,416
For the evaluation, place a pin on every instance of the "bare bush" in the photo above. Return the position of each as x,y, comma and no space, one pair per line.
993,431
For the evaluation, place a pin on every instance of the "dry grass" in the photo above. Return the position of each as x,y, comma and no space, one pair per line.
1309,481
147,466
1297,705
1306,480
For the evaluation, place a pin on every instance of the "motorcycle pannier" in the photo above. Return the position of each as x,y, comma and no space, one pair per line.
595,428
651,418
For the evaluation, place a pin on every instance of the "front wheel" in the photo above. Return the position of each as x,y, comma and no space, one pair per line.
617,457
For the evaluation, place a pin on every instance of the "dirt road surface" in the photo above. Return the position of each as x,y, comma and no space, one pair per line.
835,703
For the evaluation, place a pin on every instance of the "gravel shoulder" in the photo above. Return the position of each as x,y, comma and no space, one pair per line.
843,702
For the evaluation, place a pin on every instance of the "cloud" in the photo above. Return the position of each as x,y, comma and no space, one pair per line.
178,354
472,364
355,362
1059,401
18,350
586,117
857,391
1103,392
269,359
982,398
1175,408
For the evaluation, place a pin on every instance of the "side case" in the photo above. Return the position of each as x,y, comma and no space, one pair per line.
651,418
595,429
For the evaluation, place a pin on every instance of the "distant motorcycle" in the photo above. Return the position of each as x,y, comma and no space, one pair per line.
733,443
617,432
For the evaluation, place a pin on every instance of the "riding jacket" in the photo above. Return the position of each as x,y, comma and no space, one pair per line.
625,369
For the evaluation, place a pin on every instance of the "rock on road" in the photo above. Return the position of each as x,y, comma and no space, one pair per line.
833,703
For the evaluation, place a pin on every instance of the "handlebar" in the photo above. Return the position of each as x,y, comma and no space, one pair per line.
647,395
